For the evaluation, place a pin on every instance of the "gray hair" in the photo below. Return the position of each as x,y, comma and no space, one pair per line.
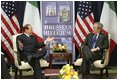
100,25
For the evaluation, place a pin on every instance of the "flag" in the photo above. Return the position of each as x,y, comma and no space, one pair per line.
109,20
9,26
31,16
84,21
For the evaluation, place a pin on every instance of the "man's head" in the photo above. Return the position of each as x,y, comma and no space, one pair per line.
97,27
28,29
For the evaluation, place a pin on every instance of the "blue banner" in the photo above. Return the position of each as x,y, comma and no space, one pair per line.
57,21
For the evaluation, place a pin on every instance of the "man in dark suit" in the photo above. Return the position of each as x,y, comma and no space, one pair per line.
30,50
93,47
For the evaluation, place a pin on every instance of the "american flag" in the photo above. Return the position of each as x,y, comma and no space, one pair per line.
9,26
84,21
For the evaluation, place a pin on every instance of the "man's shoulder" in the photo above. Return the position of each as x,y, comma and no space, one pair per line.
103,34
21,35
90,34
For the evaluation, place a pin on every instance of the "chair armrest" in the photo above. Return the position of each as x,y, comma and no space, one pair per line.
103,58
17,57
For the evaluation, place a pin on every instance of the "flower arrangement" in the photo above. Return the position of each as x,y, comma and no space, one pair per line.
59,48
67,72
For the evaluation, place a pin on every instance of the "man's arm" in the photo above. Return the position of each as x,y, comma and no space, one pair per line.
105,44
49,39
19,43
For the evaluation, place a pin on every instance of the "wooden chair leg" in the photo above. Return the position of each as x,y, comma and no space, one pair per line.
101,73
16,71
107,75
20,74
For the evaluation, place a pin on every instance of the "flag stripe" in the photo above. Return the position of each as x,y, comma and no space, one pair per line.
79,31
6,24
78,36
90,23
13,21
6,43
88,26
6,36
80,26
5,29
8,52
91,19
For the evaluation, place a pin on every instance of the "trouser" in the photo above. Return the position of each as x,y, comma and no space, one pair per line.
34,62
36,67
88,58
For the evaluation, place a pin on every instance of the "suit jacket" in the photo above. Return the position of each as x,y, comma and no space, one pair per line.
102,42
30,45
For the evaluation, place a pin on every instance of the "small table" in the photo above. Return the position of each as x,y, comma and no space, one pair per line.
60,56
51,72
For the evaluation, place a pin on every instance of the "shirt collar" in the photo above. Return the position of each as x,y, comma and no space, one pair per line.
26,34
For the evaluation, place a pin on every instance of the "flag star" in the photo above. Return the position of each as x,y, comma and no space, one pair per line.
9,7
6,3
87,2
89,6
86,6
2,6
5,10
12,4
82,8
2,2
80,5
79,8
83,5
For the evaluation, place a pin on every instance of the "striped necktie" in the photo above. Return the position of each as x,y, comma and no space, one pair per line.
94,41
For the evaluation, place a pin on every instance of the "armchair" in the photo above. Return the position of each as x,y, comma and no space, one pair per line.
101,64
22,65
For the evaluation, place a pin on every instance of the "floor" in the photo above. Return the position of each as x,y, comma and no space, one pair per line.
94,74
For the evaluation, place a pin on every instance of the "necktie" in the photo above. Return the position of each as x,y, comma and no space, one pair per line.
94,41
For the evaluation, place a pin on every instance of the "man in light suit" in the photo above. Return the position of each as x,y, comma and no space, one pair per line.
28,47
93,48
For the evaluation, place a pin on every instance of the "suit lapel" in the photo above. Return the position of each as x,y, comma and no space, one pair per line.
99,38
91,37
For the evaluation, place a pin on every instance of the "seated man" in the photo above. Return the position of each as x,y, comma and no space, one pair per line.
93,47
28,46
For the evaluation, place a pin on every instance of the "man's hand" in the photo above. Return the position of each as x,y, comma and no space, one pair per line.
20,45
94,49
49,39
